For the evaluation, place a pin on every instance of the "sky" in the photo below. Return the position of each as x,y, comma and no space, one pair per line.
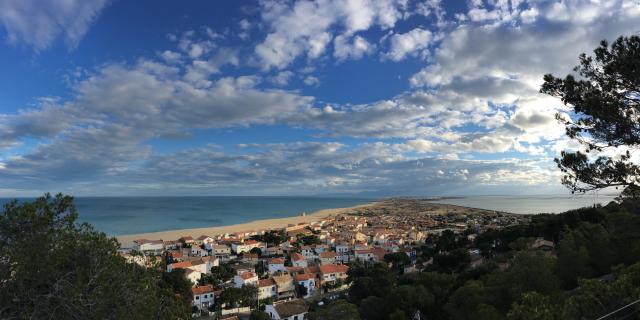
328,97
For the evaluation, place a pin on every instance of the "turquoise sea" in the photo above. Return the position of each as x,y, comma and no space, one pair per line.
129,215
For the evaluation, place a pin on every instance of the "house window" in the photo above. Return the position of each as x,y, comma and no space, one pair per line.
197,297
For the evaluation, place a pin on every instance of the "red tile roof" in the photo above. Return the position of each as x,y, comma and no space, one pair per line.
297,257
181,265
294,269
276,261
328,254
333,268
266,282
303,277
247,275
202,289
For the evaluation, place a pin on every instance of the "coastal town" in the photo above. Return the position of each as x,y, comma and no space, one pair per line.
282,271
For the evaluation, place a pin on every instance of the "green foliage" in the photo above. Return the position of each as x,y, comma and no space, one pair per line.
247,296
447,241
309,240
272,237
584,252
454,261
595,298
257,251
623,234
534,306
259,315
374,308
605,102
231,297
339,309
53,268
397,259
375,280
471,302
398,315
219,274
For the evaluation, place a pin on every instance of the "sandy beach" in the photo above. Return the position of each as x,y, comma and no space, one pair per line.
127,240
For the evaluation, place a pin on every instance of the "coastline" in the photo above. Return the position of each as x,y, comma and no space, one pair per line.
127,240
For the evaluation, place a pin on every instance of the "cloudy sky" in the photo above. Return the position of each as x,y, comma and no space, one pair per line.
362,97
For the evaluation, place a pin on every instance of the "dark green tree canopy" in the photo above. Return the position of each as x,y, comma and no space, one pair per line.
53,268
606,114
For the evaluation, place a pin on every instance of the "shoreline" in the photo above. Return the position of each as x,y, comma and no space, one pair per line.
256,225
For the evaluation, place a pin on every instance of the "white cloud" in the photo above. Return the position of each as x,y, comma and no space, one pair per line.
311,81
477,94
38,23
282,78
306,27
411,43
354,48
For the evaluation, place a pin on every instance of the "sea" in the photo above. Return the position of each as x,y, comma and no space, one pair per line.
131,215
529,204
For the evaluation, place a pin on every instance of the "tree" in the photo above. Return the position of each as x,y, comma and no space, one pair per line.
595,298
468,302
231,297
259,315
249,296
257,251
398,315
606,106
222,273
374,308
398,259
53,268
584,251
534,306
339,309
455,261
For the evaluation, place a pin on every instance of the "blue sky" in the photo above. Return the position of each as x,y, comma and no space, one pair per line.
362,97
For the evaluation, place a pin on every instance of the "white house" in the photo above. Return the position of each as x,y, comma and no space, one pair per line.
343,248
178,265
307,252
298,260
276,265
328,257
198,252
144,245
239,247
219,250
332,272
308,281
321,248
289,310
365,255
204,239
245,279
267,289
201,266
343,251
193,275
203,296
